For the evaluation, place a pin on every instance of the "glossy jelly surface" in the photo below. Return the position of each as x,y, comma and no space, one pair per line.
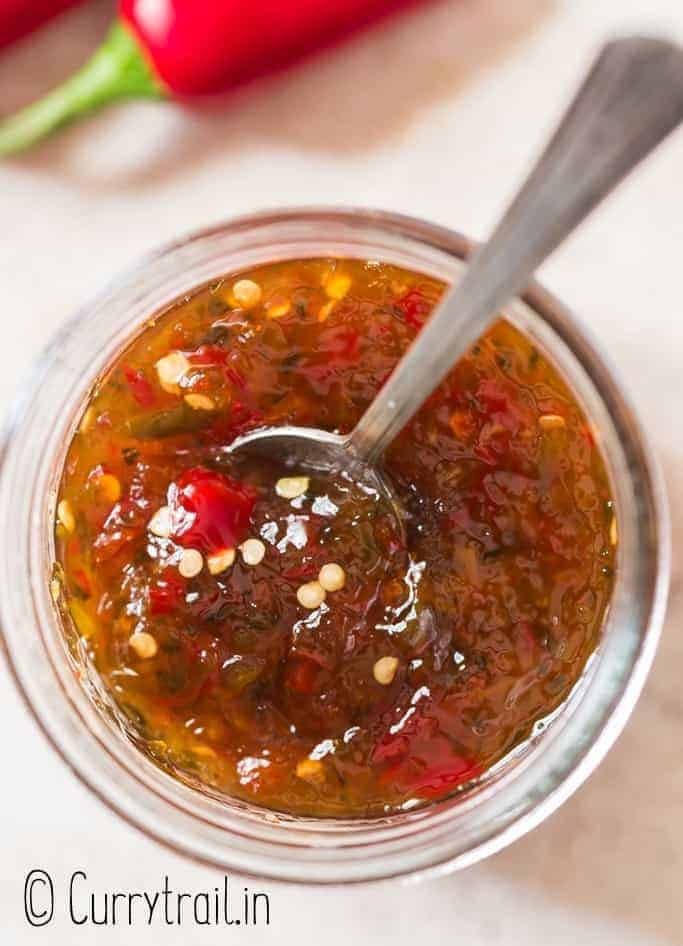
272,635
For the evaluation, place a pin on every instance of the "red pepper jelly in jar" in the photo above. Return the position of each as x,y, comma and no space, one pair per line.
273,635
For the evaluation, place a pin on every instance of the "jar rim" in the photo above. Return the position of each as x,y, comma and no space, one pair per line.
436,838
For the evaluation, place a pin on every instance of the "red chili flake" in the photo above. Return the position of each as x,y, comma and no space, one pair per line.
492,395
338,349
167,594
240,419
211,510
82,581
299,572
486,454
421,760
233,375
343,344
140,388
415,308
301,675
125,522
207,356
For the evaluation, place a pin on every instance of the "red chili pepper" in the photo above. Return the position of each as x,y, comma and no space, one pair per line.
83,582
189,48
167,595
208,356
142,391
421,760
20,17
415,308
211,510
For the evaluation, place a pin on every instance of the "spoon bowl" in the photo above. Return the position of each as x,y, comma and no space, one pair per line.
311,450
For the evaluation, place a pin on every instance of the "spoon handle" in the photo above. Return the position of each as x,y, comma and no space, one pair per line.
630,100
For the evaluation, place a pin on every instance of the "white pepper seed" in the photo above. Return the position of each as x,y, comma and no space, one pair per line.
171,369
66,516
332,577
289,487
191,563
385,669
247,293
143,644
253,551
160,523
311,595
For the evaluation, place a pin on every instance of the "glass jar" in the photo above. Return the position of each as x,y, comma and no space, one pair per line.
78,715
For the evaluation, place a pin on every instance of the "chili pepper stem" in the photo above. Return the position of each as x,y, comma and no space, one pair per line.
118,70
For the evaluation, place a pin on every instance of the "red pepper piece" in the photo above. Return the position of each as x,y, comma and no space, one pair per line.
20,17
208,356
415,308
236,378
492,395
189,48
142,391
240,420
210,511
124,524
422,761
82,581
167,594
301,675
301,573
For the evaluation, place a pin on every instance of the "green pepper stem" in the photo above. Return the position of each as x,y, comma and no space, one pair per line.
118,70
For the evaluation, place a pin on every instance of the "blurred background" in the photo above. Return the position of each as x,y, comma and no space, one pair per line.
437,113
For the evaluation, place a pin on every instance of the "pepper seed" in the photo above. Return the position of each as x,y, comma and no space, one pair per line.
66,516
385,669
311,595
289,487
171,369
160,523
332,577
191,563
143,644
200,402
220,561
247,293
253,551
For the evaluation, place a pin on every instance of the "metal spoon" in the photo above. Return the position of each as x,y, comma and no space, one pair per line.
630,100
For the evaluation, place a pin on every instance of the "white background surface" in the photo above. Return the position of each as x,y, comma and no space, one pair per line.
437,115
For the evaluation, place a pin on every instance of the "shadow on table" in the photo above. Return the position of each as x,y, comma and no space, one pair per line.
616,847
348,101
